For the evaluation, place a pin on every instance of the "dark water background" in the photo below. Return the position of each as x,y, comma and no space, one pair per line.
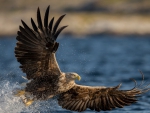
100,60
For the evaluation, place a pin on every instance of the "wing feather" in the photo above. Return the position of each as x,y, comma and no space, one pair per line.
57,23
78,105
108,102
46,17
97,104
34,25
98,98
71,104
74,105
39,20
68,104
59,31
29,31
51,24
24,40
111,103
85,104
117,104
81,107
35,49
23,34
91,105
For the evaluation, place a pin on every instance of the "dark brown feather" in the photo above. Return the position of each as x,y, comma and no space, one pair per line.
38,46
24,34
70,106
99,98
85,105
59,31
29,31
39,20
46,17
34,25
51,24
57,23
74,106
78,106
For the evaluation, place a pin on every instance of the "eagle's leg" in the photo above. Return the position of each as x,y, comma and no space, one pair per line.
25,97
27,101
20,92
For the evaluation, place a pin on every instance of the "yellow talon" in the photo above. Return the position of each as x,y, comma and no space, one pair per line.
20,92
22,95
28,102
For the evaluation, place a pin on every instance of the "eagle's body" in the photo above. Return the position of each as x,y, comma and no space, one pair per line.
46,87
35,50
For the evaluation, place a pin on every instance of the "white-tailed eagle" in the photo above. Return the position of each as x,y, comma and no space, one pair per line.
35,50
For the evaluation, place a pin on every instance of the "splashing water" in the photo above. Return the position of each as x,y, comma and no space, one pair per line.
101,61
9,103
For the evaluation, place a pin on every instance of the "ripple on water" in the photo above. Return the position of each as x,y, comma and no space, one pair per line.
99,61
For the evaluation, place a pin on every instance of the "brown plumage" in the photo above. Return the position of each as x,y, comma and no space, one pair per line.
35,50
79,98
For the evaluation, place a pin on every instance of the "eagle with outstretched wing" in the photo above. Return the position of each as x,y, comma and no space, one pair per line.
35,50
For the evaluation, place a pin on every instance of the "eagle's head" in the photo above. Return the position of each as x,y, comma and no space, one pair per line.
73,76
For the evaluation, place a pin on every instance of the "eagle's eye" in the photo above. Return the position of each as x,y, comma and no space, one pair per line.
76,76
73,75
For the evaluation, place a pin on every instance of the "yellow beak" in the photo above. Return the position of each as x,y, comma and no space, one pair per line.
78,78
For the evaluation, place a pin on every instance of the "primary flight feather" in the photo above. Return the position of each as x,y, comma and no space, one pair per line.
35,50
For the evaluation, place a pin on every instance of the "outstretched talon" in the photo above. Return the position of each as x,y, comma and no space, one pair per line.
20,92
28,102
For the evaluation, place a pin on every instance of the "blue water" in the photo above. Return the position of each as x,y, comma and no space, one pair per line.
100,60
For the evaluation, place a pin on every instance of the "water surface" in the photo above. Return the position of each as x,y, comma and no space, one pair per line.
100,60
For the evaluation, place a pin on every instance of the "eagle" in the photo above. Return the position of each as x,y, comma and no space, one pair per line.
35,51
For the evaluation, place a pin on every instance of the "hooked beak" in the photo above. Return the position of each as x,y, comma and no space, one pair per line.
78,78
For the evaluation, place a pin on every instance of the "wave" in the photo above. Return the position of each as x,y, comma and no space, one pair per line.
9,103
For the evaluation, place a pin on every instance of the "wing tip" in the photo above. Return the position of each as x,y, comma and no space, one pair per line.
48,7
59,31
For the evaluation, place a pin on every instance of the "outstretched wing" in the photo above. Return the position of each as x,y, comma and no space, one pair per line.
36,48
79,98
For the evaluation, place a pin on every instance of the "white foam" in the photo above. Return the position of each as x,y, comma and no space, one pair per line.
12,104
8,102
